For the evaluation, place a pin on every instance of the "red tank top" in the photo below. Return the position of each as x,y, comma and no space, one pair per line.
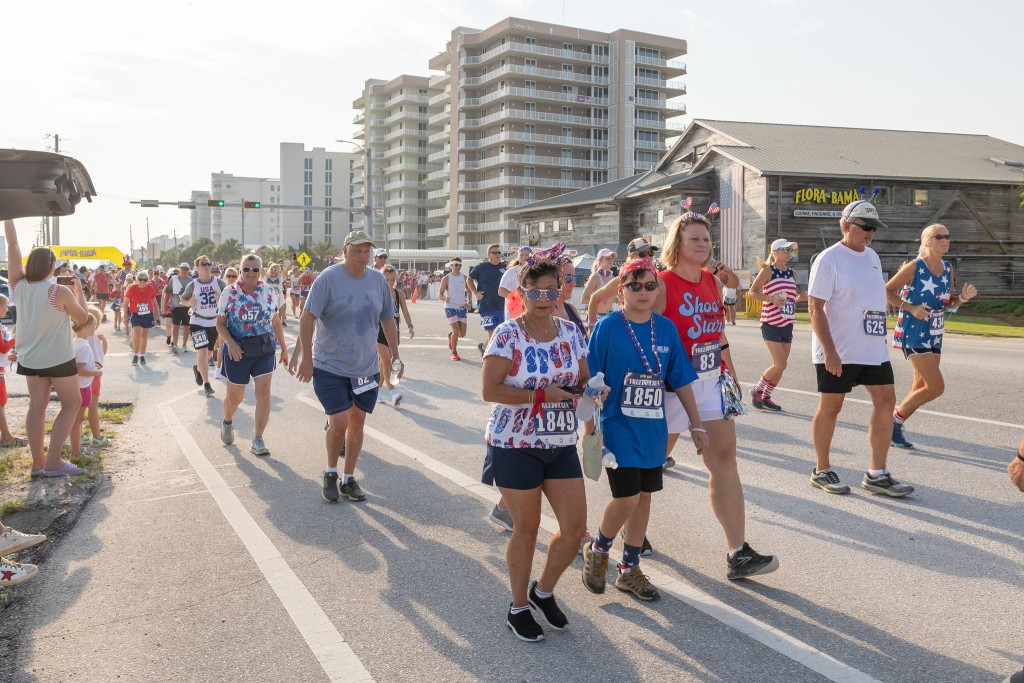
694,308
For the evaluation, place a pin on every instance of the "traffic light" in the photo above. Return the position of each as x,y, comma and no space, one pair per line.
252,205
216,203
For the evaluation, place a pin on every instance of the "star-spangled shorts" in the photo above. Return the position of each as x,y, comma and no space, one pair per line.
455,315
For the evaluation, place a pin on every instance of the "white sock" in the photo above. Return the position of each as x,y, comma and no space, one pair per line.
345,478
517,610
541,594
333,470
736,550
875,474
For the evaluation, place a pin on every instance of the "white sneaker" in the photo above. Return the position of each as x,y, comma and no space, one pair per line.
382,395
217,374
13,573
12,540
396,396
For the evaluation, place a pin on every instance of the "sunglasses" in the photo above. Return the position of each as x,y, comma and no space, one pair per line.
383,257
569,278
494,253
866,228
142,279
637,286
538,294
940,237
231,276
205,264
251,270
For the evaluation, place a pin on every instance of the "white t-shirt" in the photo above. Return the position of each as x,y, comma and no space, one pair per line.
83,354
456,290
536,365
207,296
853,288
97,349
510,281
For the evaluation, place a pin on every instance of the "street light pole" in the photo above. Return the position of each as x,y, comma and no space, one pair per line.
367,186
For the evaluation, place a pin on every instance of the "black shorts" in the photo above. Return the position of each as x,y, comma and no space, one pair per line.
102,297
68,369
179,315
783,334
853,375
381,339
934,350
211,336
630,481
527,468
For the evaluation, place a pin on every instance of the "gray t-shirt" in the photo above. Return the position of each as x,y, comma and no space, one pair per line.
348,312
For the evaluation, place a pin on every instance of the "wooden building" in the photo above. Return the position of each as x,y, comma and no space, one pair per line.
777,180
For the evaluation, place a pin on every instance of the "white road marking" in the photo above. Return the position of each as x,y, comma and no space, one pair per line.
335,656
757,630
177,495
920,410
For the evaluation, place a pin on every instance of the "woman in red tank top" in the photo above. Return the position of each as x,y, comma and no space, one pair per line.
692,302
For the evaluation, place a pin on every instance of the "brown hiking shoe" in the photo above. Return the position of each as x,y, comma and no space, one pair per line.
595,569
637,583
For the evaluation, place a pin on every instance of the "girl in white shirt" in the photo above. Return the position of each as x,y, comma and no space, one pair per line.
87,370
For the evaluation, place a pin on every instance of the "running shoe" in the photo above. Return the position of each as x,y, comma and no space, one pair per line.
174,349
828,481
12,573
455,356
480,348
142,359
755,399
208,389
66,469
636,582
12,541
747,562
135,359
396,396
524,626
769,404
548,608
258,447
886,485
898,440
500,518
670,462
595,569
168,342
331,487
101,442
353,491
227,433
211,363
197,375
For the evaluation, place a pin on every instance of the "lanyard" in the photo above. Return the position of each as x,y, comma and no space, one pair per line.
636,343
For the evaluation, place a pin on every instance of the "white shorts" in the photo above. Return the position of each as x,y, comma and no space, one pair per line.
709,405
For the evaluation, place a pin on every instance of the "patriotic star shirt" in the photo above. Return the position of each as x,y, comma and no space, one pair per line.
933,291
248,315
535,365
781,282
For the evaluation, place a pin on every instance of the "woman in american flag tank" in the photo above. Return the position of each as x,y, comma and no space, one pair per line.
775,285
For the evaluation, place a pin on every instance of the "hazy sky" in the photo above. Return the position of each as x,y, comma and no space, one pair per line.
154,96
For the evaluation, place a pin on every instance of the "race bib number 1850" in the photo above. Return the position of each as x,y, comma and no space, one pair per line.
643,396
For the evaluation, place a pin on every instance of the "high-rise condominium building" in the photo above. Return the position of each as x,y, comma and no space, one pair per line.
524,111
319,180
393,118
250,227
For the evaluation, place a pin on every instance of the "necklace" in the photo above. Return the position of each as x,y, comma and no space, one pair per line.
522,322
636,344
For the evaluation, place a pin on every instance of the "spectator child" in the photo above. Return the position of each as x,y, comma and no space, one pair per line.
116,290
87,371
6,346
98,344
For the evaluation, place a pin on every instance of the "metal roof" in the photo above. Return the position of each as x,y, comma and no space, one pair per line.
787,149
590,195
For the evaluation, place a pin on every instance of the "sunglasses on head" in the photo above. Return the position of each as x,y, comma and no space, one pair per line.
538,294
637,286
251,270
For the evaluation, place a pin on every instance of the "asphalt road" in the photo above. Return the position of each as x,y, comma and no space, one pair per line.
200,562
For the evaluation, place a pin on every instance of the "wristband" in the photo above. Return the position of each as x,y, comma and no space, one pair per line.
723,347
699,429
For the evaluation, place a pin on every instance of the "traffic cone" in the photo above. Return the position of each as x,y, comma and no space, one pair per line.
415,292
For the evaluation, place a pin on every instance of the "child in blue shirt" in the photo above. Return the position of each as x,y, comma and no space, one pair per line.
641,356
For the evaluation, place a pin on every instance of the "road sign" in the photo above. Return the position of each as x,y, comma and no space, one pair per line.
303,259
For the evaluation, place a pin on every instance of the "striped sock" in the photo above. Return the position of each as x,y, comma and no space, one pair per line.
766,393
761,386
897,418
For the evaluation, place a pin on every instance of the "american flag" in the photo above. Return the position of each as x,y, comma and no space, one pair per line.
730,198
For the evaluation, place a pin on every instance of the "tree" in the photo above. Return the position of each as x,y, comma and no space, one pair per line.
228,251
321,254
275,254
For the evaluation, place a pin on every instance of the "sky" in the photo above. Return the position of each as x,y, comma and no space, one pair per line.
153,97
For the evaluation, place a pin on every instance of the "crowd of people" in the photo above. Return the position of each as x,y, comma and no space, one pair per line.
649,360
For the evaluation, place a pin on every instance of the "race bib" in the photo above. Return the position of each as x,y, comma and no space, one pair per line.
556,424
937,322
788,309
487,321
874,323
200,340
143,309
707,359
360,385
643,396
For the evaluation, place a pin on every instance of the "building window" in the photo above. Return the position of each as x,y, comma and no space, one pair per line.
307,164
920,197
531,106
567,90
329,164
531,85
554,226
530,129
566,177
529,194
529,172
540,228
567,71
530,41
567,133
567,47
901,196
661,216
883,198
566,111
530,151
531,63
643,220
569,226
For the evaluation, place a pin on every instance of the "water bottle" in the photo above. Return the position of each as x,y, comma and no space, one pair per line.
608,459
587,403
396,367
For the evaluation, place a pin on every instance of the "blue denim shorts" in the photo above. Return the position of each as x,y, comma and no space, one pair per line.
336,396
239,372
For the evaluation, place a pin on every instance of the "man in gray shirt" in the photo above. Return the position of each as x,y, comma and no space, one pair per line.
346,306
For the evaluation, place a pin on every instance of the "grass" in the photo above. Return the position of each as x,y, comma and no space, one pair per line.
1013,306
115,413
9,507
961,324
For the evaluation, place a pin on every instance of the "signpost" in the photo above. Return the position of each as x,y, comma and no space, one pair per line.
303,259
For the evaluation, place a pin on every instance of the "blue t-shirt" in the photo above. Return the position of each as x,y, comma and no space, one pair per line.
488,277
636,441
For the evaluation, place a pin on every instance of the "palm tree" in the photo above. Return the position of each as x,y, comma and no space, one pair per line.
229,251
321,253
274,254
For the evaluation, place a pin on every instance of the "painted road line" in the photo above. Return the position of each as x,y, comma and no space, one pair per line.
920,410
335,656
757,630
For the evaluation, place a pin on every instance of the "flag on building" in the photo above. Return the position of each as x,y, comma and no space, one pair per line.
730,199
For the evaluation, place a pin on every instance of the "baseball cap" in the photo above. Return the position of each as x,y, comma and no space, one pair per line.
379,252
605,252
639,244
783,244
357,237
185,265
865,211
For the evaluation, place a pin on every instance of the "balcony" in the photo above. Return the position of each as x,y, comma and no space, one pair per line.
487,227
661,83
648,144
399,116
524,115
440,212
400,166
437,99
533,72
438,81
531,137
532,160
440,117
535,50
413,98
524,181
439,155
359,117
507,203
410,185
644,165
405,149
532,94
438,232
439,137
659,125
660,104
671,64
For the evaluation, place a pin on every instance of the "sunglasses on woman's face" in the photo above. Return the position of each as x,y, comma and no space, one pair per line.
538,294
637,286
251,270
232,276
205,264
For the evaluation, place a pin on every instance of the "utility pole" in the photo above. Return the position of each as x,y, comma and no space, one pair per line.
243,225
55,233
131,243
175,239
149,247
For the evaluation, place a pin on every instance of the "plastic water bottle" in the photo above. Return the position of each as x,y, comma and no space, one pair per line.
587,403
608,459
396,367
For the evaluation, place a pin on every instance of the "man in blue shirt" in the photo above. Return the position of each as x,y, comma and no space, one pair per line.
492,305
641,357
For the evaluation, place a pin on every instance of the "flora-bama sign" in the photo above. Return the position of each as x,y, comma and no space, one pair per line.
818,195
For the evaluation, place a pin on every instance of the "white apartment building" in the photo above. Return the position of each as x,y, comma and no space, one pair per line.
393,118
525,111
156,246
320,180
251,227
200,224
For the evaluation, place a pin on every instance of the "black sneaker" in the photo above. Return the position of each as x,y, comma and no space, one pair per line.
142,359
331,487
548,609
646,550
353,491
199,377
135,360
828,482
524,626
746,562
755,399
768,404
898,440
168,342
886,485
208,389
